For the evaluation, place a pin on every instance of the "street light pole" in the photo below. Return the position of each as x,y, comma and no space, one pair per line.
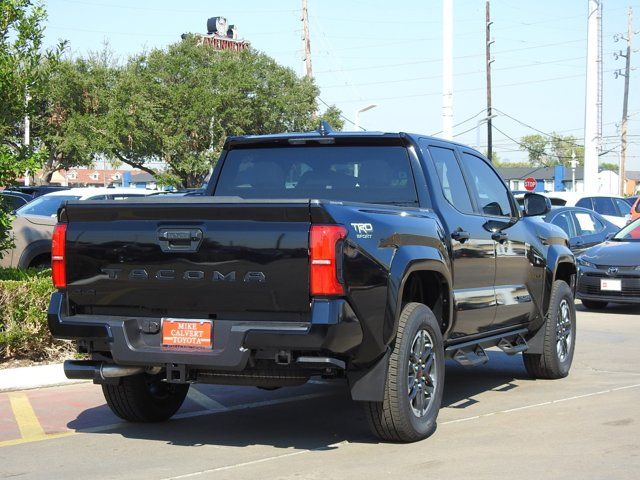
358,112
573,170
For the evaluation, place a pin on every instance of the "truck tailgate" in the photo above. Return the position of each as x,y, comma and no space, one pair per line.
192,257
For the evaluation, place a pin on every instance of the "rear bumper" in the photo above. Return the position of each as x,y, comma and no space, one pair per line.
333,328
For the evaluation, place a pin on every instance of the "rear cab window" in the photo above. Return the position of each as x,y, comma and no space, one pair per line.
367,174
451,179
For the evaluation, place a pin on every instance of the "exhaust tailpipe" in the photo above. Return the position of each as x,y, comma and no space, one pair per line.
94,370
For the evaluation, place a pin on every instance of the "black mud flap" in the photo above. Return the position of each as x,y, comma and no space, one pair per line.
367,385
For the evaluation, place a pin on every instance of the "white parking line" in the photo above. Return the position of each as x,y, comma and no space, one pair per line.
336,445
199,413
542,404
244,406
203,400
253,462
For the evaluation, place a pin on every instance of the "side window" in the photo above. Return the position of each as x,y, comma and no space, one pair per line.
587,224
493,197
565,222
98,197
585,203
451,179
623,207
605,206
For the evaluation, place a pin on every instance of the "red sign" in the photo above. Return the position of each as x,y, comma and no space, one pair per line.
530,184
186,333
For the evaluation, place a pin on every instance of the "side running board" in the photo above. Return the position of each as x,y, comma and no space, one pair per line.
471,353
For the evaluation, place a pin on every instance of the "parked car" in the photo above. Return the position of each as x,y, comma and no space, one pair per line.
635,210
415,252
32,228
37,190
585,228
610,272
11,201
612,207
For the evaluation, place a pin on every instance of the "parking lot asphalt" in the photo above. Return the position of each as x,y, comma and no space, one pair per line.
495,422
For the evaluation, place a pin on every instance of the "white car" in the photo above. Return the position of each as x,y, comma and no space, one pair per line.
32,228
612,207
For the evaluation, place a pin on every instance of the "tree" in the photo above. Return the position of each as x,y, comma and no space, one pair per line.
614,167
179,105
24,70
535,146
555,149
564,147
67,126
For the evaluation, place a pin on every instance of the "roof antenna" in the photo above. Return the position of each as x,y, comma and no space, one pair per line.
325,129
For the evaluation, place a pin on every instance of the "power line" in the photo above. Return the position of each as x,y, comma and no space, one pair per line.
474,72
433,60
174,10
460,123
542,80
346,119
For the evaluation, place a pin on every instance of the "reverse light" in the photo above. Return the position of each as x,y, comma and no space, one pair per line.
58,256
323,246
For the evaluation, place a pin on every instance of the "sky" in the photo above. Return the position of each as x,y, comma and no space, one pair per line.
390,54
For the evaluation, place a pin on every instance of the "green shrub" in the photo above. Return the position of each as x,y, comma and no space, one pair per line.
24,299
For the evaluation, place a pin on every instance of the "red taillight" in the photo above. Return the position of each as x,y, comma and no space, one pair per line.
58,256
323,242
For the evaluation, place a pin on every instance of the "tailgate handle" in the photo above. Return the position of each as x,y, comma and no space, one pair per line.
180,239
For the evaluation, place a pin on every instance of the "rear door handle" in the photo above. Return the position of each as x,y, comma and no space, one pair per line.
460,235
499,237
180,239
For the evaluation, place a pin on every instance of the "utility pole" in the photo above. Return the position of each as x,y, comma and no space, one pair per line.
306,40
447,69
591,137
625,101
488,62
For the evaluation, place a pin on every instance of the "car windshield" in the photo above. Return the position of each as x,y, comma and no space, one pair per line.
630,233
45,206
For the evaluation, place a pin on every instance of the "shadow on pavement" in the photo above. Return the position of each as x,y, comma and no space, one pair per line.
313,423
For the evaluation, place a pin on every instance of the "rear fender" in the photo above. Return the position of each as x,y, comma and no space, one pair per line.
367,384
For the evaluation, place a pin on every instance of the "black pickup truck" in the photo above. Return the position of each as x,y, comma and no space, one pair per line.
367,256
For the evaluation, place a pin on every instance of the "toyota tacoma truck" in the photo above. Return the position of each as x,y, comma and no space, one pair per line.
372,257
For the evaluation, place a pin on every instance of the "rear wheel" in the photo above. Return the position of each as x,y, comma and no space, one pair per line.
559,336
415,380
144,398
594,304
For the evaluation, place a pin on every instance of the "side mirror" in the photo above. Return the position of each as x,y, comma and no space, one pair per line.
609,236
536,204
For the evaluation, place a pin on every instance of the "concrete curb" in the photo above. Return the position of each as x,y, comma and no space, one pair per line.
25,378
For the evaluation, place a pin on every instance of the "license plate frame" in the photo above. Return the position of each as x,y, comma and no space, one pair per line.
186,334
610,285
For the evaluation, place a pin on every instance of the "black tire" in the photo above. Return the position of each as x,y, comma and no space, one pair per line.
594,304
394,419
559,336
144,398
